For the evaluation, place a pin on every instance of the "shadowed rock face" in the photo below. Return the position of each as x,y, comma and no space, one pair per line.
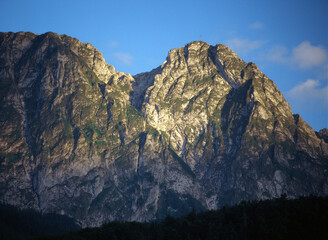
203,130
323,134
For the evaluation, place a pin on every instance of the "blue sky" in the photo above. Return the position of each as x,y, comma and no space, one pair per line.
288,40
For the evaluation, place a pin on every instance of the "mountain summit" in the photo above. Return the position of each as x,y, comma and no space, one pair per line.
202,130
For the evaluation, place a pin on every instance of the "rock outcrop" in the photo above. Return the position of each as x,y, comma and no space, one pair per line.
203,130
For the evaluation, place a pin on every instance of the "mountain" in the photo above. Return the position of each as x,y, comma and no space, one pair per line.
202,130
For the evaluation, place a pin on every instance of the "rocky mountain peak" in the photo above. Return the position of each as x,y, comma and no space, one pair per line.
202,130
196,45
323,134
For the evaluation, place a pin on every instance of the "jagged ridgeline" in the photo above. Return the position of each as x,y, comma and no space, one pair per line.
203,130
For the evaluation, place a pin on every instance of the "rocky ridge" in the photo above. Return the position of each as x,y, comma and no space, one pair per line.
203,130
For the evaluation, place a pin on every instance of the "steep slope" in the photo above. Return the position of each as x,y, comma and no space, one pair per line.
202,130
66,118
232,126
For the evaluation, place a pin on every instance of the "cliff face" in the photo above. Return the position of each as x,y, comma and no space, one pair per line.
203,130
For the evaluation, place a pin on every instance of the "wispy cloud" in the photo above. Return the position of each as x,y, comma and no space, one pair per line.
324,72
278,54
304,56
113,44
256,25
309,94
124,58
243,46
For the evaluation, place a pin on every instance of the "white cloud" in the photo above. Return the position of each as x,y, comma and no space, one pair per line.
243,46
256,25
124,58
309,94
304,56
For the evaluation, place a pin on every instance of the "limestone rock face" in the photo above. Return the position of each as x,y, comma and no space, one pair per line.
203,130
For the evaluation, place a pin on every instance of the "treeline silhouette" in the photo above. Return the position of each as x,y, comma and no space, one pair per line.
25,224
282,218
